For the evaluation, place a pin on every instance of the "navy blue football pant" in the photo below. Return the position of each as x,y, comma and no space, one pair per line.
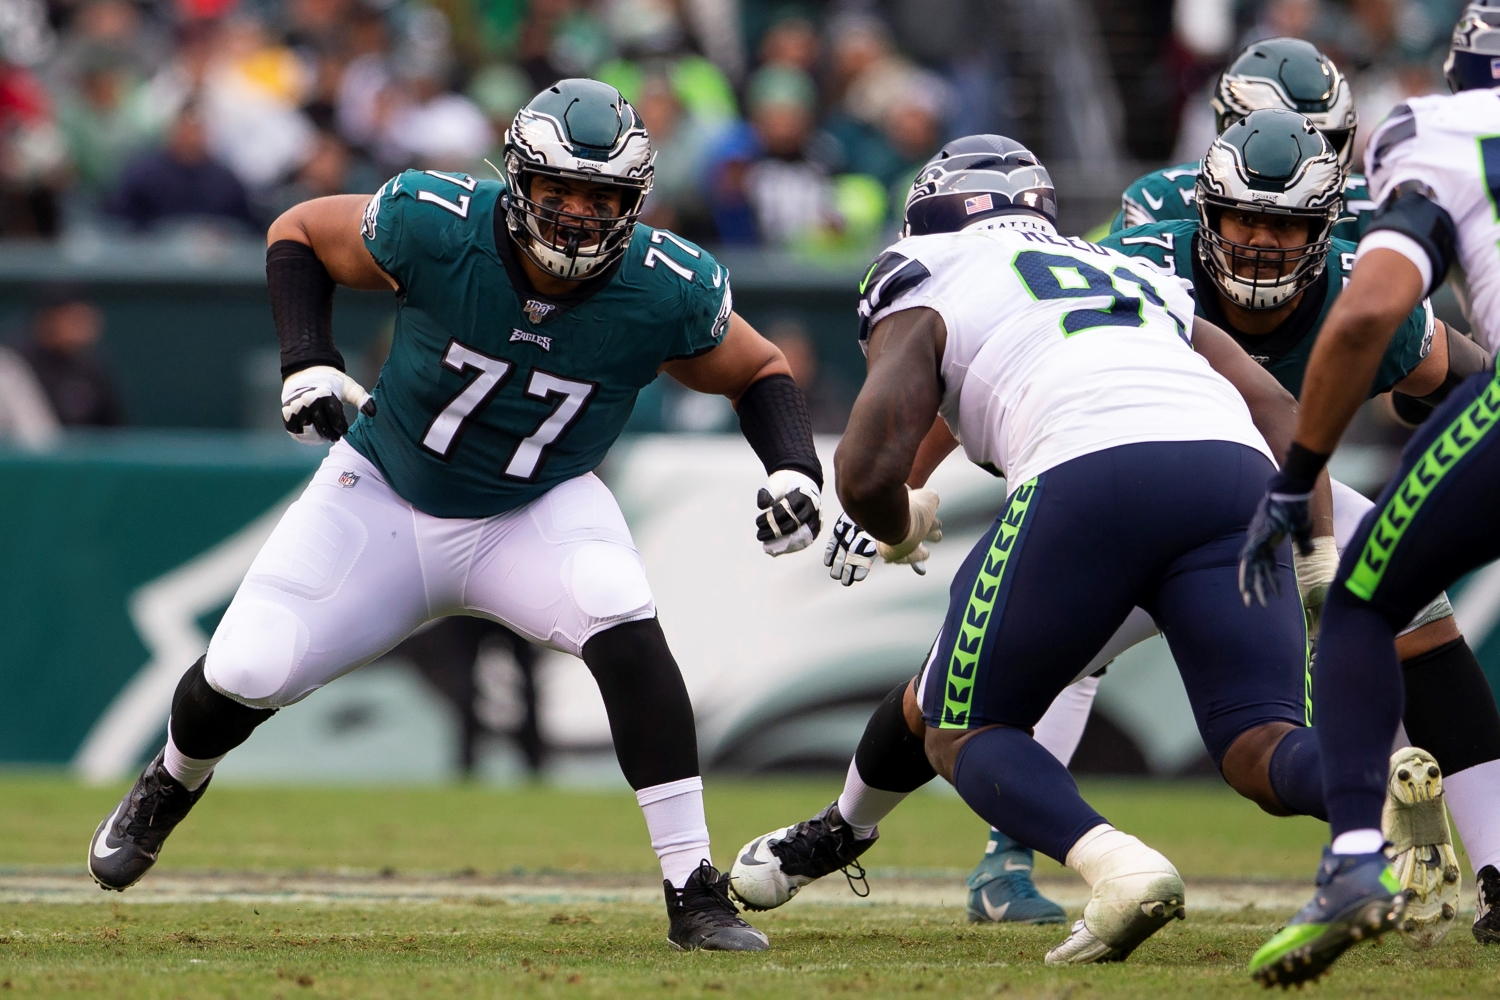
1157,525
1433,523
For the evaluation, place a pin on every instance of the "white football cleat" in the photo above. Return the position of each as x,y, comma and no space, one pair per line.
1415,824
1136,892
770,869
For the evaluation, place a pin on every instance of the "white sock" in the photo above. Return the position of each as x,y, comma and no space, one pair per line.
188,770
1061,728
679,831
1366,841
864,807
1473,796
1104,851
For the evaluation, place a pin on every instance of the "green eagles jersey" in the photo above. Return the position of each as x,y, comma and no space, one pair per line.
1167,194
1172,247
494,394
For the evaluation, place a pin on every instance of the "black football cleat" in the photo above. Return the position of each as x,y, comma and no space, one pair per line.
1487,906
703,917
772,868
127,843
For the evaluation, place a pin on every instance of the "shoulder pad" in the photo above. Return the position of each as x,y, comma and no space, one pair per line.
891,276
1399,126
1412,209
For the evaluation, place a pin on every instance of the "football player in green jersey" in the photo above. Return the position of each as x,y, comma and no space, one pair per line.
1284,73
530,311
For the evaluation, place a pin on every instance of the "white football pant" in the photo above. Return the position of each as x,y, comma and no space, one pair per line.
352,569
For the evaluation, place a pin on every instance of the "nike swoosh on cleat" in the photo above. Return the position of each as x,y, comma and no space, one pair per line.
1012,866
749,858
996,913
104,835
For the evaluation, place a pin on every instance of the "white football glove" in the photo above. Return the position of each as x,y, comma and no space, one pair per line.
312,403
852,551
789,512
1315,573
924,526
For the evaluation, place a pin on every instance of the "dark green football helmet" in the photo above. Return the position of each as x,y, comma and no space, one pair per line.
1292,74
1272,162
580,130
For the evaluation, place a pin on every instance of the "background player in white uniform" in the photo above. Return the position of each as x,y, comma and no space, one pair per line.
1083,377
1434,166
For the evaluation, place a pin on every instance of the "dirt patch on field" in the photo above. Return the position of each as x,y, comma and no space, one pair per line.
906,888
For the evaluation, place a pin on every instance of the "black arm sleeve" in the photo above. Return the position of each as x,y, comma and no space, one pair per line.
773,418
1465,358
1412,210
301,306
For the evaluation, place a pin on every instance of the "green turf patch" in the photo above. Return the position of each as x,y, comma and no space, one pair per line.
1205,828
464,950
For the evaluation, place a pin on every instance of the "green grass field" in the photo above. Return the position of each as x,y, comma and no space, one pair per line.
590,940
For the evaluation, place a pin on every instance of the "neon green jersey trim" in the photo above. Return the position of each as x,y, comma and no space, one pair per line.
1454,443
958,688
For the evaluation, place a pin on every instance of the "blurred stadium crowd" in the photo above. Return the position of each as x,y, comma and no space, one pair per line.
777,124
790,127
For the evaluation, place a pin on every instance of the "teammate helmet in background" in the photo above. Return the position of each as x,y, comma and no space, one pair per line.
580,130
1275,163
1474,53
974,178
1292,74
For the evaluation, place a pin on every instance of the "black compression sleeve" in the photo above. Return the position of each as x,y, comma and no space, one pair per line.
773,418
301,306
1412,210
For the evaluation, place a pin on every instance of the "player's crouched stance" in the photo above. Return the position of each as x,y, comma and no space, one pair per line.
530,312
1133,439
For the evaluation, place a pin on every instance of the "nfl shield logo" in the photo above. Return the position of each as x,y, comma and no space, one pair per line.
347,480
979,203
538,312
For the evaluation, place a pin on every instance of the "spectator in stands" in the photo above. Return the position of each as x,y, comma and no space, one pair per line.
333,168
59,352
682,142
104,120
791,41
26,417
181,180
769,181
828,402
33,156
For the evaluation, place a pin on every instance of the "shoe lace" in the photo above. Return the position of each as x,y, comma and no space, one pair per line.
156,796
828,848
710,891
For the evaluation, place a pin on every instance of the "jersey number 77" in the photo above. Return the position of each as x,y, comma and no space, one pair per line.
448,427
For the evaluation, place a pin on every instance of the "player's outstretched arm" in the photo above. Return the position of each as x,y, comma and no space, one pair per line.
1384,288
891,418
754,375
330,226
309,248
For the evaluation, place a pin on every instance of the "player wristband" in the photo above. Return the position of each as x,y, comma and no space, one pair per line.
773,418
301,306
1300,470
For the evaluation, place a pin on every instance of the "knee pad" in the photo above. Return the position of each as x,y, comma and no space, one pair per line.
608,581
254,652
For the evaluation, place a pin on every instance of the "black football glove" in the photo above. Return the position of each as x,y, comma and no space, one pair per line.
1284,511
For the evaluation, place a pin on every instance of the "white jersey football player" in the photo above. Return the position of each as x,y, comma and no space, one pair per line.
1133,439
1434,170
